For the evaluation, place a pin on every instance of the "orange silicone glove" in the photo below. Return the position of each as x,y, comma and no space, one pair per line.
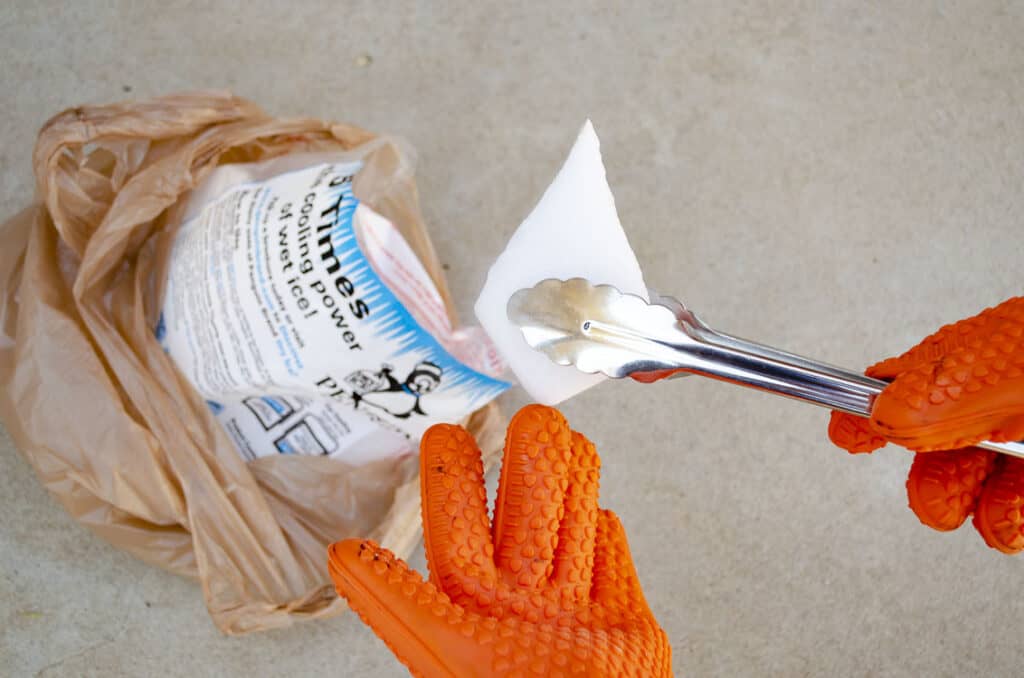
548,590
962,385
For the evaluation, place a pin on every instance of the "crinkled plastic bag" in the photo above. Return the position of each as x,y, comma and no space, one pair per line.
112,429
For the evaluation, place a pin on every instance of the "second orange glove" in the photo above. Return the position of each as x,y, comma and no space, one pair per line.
961,385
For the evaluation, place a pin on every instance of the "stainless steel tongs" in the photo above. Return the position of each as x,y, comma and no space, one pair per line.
597,328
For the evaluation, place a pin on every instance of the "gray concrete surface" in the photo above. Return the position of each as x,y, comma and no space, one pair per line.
836,178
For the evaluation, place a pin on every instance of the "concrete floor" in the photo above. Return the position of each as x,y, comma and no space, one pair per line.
836,181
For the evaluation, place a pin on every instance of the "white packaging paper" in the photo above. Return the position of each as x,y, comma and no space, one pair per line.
574,231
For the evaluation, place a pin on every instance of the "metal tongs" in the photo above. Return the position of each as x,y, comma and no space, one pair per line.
597,328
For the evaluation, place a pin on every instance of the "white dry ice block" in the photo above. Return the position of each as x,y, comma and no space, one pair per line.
573,232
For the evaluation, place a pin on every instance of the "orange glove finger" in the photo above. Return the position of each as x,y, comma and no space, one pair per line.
971,390
531,493
616,585
651,377
620,599
998,515
854,434
418,623
943,487
574,555
456,529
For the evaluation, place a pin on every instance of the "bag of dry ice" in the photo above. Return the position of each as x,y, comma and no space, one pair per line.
308,323
131,451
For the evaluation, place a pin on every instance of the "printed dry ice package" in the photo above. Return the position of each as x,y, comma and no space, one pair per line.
306,321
